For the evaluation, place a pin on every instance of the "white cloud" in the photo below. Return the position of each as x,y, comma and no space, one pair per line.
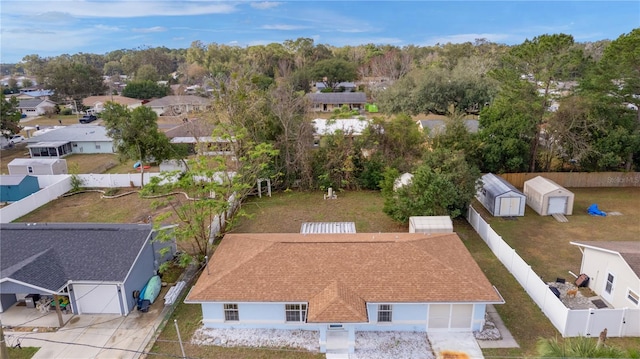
265,5
150,29
283,27
117,9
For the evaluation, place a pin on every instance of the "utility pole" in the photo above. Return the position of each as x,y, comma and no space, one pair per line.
4,353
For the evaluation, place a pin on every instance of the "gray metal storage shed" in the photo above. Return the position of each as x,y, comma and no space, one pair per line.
500,197
430,224
547,197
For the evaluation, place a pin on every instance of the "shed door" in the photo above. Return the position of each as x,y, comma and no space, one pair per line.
509,206
557,205
97,299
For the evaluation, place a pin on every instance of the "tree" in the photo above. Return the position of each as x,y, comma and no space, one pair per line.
211,191
135,134
145,90
579,347
9,116
613,86
294,137
334,71
443,186
543,61
73,81
147,73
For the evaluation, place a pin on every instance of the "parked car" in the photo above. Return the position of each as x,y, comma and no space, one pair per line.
16,139
87,118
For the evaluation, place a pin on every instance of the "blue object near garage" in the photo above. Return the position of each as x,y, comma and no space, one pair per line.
595,211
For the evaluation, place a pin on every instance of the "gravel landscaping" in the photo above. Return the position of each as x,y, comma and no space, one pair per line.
369,345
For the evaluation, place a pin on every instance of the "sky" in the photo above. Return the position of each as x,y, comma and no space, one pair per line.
52,28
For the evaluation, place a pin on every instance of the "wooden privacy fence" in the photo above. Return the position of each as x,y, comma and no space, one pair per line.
579,179
569,322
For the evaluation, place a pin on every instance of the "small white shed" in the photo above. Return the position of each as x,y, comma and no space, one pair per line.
38,166
501,198
547,197
430,224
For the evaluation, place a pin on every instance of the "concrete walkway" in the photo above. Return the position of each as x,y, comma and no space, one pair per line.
507,340
446,344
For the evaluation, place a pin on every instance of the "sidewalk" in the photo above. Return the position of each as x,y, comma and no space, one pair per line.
507,340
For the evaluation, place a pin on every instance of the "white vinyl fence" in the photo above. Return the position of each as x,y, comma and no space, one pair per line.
569,322
52,187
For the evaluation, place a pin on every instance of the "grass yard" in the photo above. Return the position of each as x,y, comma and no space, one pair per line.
532,236
91,207
544,243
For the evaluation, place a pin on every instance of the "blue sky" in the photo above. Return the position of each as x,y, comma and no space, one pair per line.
52,28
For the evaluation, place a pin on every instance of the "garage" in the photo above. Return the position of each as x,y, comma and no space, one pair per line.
446,317
500,197
547,197
97,299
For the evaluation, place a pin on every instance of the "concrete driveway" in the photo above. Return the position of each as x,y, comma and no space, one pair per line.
94,336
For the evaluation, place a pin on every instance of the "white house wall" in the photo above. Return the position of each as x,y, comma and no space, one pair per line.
406,317
92,147
597,264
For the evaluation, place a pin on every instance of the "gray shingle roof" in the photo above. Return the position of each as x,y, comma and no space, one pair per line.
338,97
178,100
47,255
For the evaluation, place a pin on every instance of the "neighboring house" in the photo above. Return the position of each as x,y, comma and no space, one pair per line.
16,187
38,166
96,103
500,197
338,284
178,105
329,101
71,139
347,86
26,94
197,134
614,271
435,127
349,127
547,197
97,266
35,107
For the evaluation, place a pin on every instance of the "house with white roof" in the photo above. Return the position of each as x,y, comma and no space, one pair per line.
66,140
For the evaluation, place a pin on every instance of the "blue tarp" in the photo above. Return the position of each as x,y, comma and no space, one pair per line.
594,211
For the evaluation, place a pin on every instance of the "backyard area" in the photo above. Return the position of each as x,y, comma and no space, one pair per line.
541,240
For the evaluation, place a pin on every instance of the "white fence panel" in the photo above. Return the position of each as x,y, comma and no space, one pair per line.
48,180
577,321
108,180
556,311
570,323
631,327
22,207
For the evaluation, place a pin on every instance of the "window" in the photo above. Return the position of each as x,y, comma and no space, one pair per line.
633,297
97,146
231,313
609,286
295,312
384,313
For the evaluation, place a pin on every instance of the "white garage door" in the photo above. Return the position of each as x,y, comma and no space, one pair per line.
97,299
557,205
509,206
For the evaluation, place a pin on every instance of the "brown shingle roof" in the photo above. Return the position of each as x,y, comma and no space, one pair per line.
333,270
628,250
121,100
336,304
